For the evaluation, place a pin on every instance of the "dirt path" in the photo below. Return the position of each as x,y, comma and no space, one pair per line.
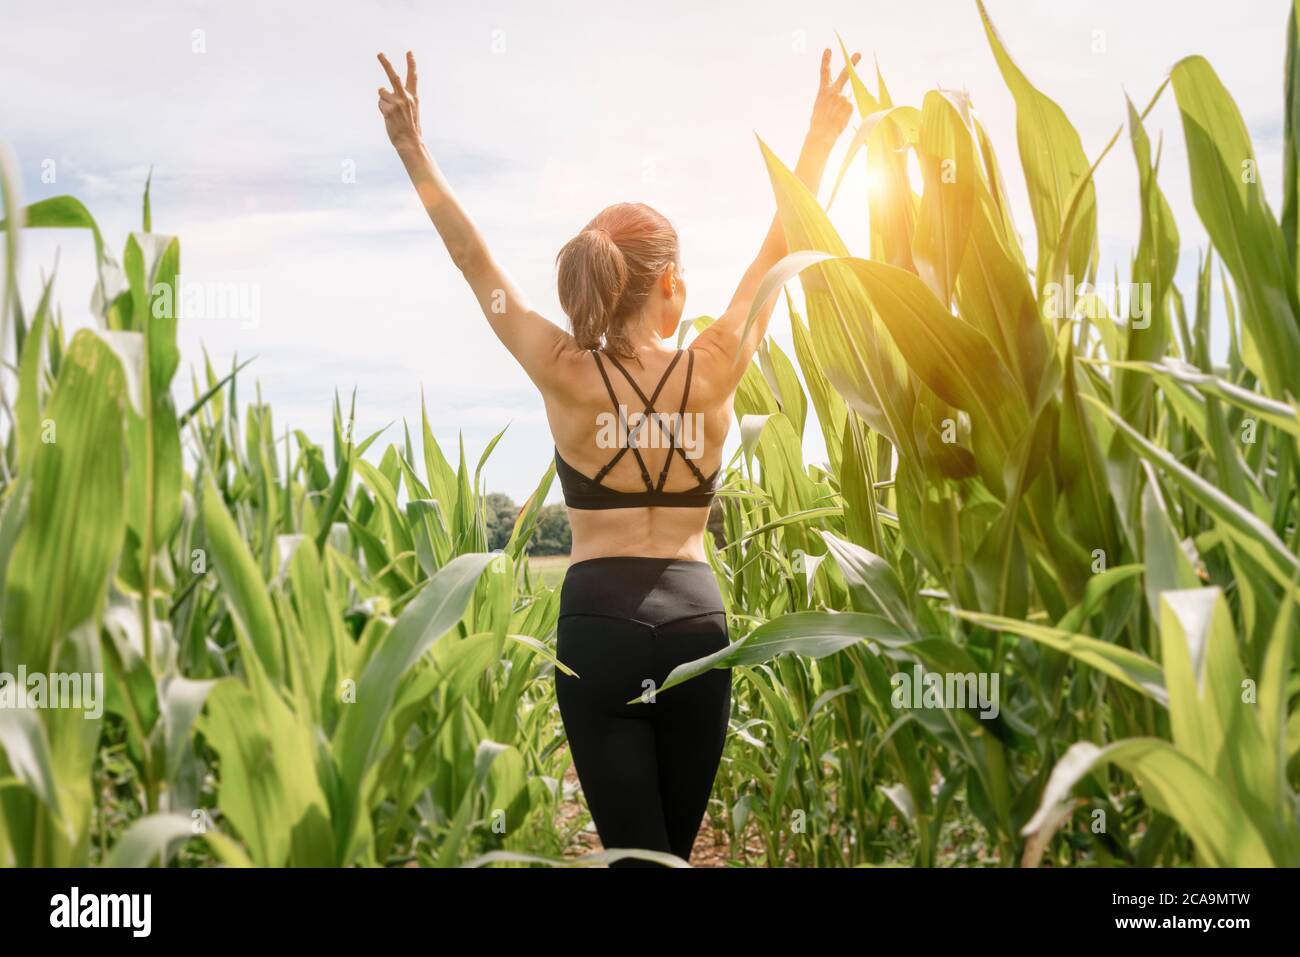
712,846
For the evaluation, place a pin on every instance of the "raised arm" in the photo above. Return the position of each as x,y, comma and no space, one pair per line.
532,339
830,115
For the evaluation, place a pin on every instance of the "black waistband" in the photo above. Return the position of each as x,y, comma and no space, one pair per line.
652,591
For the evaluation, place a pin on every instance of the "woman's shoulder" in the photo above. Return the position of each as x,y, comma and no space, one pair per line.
576,377
715,368
568,369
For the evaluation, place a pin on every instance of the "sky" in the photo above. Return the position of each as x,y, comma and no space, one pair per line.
270,161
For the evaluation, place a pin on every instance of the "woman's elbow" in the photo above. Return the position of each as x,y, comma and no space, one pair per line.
468,259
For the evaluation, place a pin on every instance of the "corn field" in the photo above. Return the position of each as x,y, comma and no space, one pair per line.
310,657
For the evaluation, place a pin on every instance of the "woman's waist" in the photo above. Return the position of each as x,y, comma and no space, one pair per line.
639,532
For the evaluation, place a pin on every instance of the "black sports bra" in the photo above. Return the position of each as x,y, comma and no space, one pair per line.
581,491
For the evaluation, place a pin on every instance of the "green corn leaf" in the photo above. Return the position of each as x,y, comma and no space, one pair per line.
810,633
1230,199
75,516
1054,161
1253,536
1127,667
242,584
1174,784
435,611
947,157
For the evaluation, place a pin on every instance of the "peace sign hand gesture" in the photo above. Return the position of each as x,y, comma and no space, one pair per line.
831,111
401,105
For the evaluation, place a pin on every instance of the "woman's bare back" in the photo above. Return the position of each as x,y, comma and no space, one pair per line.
590,432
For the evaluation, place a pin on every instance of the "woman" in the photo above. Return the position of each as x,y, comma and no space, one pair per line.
639,597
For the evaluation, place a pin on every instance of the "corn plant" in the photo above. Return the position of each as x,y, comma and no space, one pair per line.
1011,450
335,650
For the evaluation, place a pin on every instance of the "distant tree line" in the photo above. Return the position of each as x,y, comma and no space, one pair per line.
553,535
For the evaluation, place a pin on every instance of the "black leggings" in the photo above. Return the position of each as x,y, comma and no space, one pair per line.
646,768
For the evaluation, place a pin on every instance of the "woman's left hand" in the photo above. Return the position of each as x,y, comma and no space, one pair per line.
401,105
831,111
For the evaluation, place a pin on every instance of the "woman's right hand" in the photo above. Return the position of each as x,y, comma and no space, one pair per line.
401,106
831,111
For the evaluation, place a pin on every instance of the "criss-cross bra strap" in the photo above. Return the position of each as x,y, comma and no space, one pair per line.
650,402
673,433
621,418
609,387
649,409
681,417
